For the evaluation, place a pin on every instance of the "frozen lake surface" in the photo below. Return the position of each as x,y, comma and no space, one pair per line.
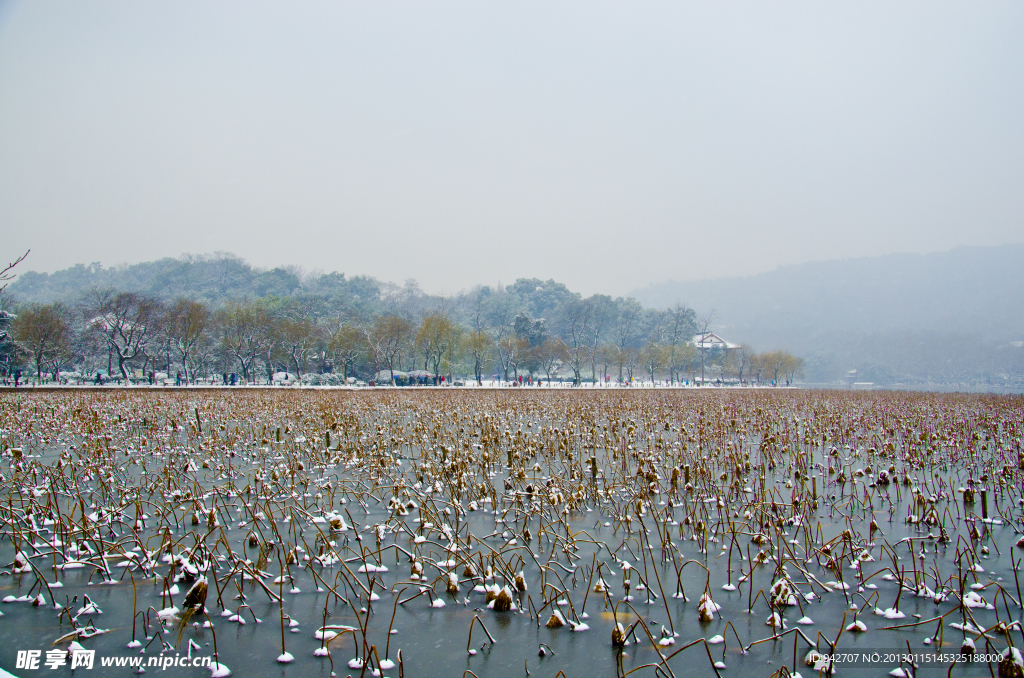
671,533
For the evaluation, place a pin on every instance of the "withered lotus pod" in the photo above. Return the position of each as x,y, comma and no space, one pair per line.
555,621
195,599
503,601
1010,665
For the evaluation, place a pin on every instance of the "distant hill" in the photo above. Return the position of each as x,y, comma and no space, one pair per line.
211,278
932,318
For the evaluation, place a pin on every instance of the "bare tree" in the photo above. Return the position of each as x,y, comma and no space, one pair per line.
7,275
127,321
345,345
758,365
552,352
685,358
608,354
46,333
704,322
245,330
298,339
478,345
434,339
628,359
679,327
577,315
454,351
742,361
388,338
500,311
793,368
776,362
654,357
512,350
7,272
603,312
186,324
627,328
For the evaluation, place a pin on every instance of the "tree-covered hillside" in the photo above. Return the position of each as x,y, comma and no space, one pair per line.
217,315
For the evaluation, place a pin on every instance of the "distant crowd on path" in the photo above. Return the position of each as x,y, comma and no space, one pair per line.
101,379
232,379
608,382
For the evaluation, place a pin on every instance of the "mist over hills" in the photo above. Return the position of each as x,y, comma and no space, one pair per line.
954,317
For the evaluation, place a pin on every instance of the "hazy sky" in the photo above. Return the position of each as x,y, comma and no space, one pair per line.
606,145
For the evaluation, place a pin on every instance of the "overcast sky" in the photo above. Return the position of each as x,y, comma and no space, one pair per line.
606,145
